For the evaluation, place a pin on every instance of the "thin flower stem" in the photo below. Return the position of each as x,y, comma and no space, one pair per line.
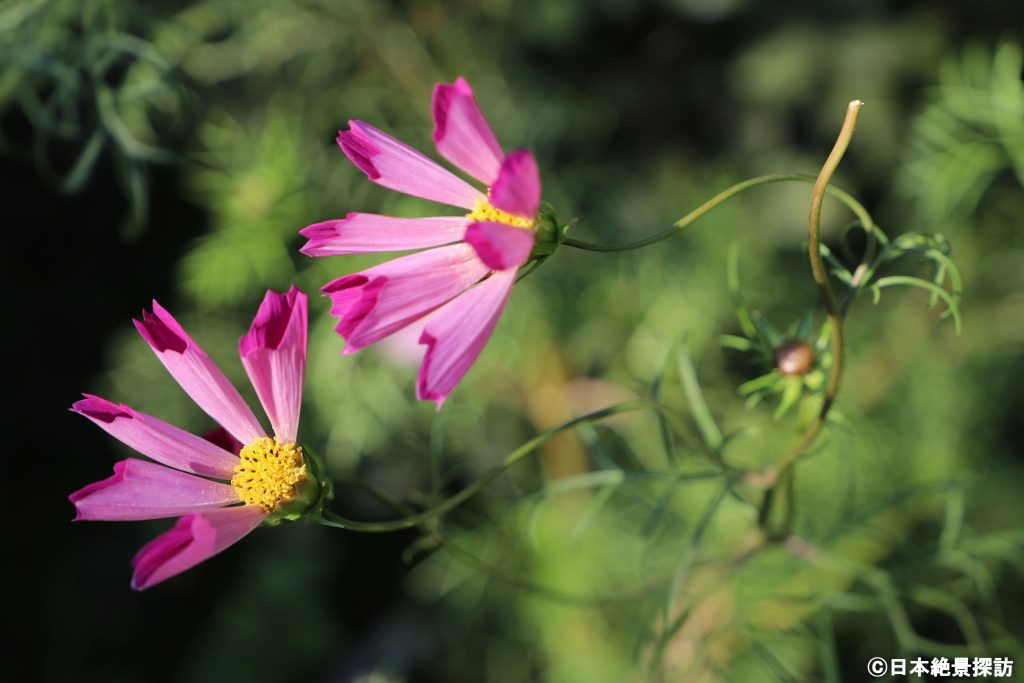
330,519
438,537
828,299
555,595
720,198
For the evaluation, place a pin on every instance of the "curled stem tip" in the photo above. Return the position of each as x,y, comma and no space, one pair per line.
832,309
818,197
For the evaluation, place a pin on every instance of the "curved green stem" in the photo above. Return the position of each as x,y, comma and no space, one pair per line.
548,593
818,197
720,198
438,537
828,299
330,519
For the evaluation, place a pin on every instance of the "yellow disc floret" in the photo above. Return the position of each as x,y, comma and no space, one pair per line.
268,473
484,211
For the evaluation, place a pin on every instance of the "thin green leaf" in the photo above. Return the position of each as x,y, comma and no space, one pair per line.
586,520
732,277
803,328
731,341
792,389
759,383
667,442
955,608
954,519
769,335
695,397
827,648
952,306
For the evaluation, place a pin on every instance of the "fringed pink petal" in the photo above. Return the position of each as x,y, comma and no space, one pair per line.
517,189
274,355
158,440
198,375
500,246
382,300
395,165
461,133
145,490
194,538
456,334
360,233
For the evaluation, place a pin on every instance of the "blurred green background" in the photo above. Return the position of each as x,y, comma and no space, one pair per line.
173,150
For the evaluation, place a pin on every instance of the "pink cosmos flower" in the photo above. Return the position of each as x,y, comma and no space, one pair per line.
464,275
219,495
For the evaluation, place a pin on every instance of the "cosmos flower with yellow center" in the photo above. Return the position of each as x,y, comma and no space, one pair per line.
454,290
220,491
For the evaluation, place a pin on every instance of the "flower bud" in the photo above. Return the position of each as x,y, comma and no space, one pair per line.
794,357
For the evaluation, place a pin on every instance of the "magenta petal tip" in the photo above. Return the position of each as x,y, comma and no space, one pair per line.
457,333
100,409
86,491
359,149
273,352
161,331
395,165
275,314
194,538
461,133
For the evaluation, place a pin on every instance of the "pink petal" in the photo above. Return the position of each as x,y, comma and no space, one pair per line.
517,189
461,133
393,164
194,538
500,246
198,375
457,333
146,490
158,440
381,300
360,233
274,355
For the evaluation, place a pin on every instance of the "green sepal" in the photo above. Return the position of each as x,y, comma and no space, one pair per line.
792,389
815,380
549,234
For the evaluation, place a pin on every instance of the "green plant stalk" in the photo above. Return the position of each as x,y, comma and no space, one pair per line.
331,519
720,198
828,299
835,314
436,537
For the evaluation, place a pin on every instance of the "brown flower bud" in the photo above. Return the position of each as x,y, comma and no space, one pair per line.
794,357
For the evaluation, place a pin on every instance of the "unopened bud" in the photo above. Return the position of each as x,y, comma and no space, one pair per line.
794,357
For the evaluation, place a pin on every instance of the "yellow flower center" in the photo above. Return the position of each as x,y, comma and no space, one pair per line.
485,212
268,473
